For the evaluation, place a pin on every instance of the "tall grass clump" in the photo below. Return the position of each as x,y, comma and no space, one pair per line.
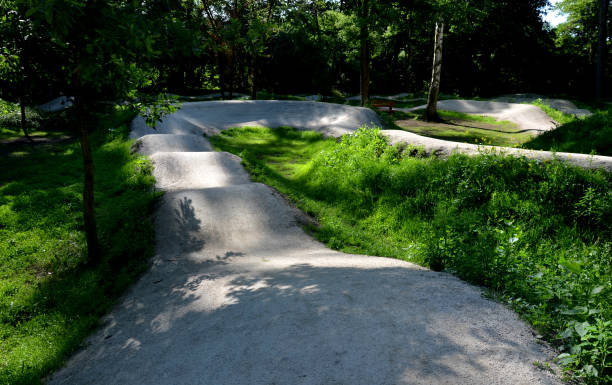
537,234
50,300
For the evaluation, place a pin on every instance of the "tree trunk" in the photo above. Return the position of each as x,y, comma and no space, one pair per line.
317,25
232,70
601,48
24,126
431,113
89,218
254,79
364,81
220,61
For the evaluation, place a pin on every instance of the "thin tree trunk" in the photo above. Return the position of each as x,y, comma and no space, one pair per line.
364,81
601,48
221,69
317,25
254,79
24,126
89,218
431,113
232,70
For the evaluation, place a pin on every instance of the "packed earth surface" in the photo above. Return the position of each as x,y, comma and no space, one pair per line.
238,293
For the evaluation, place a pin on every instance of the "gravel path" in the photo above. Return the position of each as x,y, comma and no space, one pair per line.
239,294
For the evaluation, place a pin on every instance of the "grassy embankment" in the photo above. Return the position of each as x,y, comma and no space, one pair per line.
589,135
49,301
537,234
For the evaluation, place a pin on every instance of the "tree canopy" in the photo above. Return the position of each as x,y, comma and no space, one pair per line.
299,46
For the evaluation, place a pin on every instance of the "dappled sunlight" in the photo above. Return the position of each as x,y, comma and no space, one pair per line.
131,344
310,317
175,171
243,217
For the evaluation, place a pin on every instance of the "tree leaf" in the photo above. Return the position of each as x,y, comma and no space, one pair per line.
567,333
591,370
565,359
582,328
572,266
597,289
31,11
576,310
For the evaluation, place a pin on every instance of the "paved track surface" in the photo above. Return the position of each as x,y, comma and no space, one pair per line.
210,117
528,117
238,294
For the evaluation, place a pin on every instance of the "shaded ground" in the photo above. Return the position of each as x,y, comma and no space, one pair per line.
22,145
239,294
468,130
527,117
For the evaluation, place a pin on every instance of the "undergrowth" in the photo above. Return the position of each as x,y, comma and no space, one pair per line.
536,234
38,123
49,301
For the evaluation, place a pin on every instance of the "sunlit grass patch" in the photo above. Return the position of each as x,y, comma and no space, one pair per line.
588,135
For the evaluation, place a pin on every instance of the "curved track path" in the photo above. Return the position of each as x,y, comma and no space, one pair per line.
239,294
527,117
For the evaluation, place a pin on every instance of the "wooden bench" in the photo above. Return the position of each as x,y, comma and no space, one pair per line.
382,104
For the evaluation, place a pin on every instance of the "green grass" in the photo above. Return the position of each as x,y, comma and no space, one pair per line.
537,234
590,135
448,115
558,116
459,127
46,125
49,301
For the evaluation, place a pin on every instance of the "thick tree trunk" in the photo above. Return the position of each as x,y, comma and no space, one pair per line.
89,218
601,48
24,126
364,81
431,113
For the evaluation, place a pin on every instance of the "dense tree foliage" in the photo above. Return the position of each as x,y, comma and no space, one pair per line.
318,46
576,46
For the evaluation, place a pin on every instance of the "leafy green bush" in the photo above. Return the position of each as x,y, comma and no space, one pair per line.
537,234
7,107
